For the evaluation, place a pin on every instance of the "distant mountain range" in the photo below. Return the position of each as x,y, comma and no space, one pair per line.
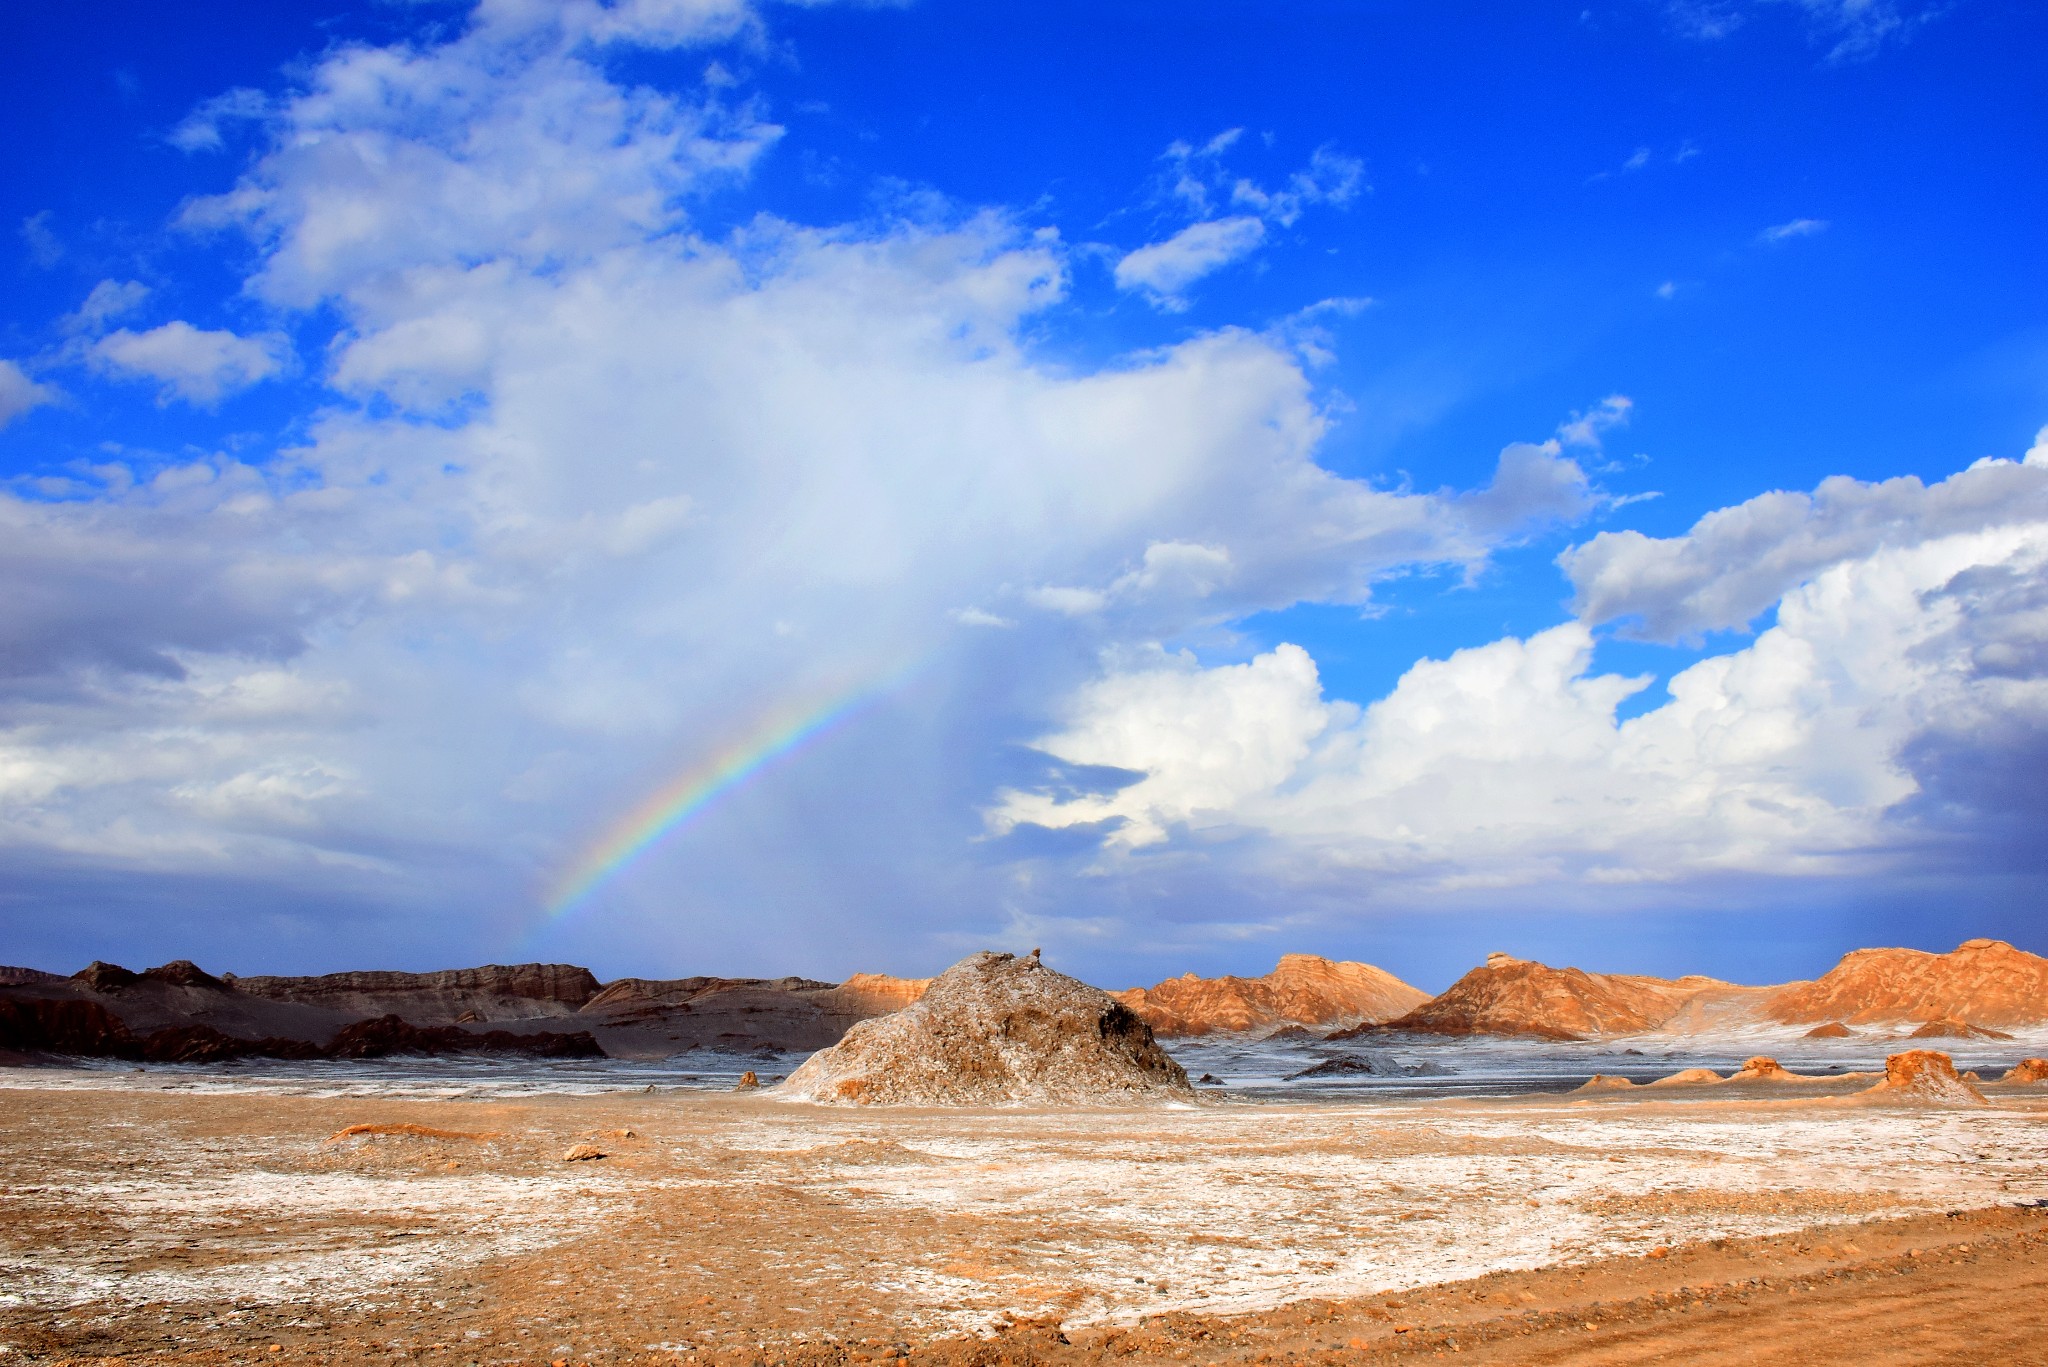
179,1012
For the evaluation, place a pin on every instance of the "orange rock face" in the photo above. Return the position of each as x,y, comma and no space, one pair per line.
875,994
1984,982
1510,996
1924,1075
2027,1070
1304,989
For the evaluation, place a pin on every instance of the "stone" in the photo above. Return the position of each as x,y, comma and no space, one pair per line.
1925,1077
1302,990
995,1029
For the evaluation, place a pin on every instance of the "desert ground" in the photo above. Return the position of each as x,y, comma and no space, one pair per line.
146,1219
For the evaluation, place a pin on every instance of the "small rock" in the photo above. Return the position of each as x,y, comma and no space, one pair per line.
748,1082
583,1153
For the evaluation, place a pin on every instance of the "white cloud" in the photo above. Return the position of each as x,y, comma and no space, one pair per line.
1806,752
1851,29
601,491
44,248
1798,227
200,131
109,299
1198,181
1857,29
195,364
1736,562
1329,178
1164,269
1588,428
18,393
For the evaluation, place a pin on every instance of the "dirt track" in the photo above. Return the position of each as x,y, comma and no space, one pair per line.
163,1227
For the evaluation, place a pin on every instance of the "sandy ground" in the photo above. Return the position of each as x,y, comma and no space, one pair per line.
149,1224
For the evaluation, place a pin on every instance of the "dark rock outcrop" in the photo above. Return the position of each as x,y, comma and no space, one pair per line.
383,1036
12,976
105,977
494,992
42,1025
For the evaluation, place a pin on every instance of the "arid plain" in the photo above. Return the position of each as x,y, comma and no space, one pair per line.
148,1222
1082,1198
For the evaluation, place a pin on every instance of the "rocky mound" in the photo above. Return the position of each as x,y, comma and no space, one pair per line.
1984,981
1510,996
995,1029
1926,1076
1304,989
1955,1029
2027,1070
1605,1082
1763,1068
1688,1077
1832,1030
11,976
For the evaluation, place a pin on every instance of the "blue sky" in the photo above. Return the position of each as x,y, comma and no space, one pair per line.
1248,482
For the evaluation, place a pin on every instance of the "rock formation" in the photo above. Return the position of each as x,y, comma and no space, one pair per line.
1925,1076
1985,982
1688,1077
495,992
1510,996
11,976
1303,989
995,1029
643,1016
873,994
1955,1029
1763,1068
2027,1070
1832,1030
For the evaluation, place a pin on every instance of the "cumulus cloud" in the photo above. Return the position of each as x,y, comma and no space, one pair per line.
1814,749
1165,269
1736,562
108,300
18,393
197,365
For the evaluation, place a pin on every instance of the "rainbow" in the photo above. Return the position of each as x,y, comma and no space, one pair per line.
671,807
